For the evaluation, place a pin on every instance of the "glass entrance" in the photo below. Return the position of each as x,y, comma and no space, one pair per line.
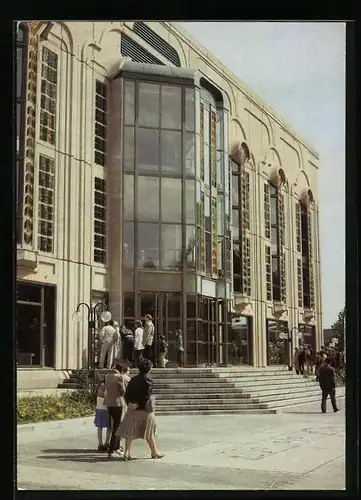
277,348
241,349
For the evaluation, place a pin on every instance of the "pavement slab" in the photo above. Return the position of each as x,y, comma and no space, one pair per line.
288,451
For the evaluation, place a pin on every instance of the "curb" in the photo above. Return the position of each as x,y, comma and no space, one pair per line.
54,424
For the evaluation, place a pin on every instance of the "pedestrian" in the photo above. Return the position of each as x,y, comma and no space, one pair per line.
296,363
108,338
118,347
301,359
138,342
148,337
318,363
114,390
179,348
139,420
309,360
327,383
128,344
102,419
163,351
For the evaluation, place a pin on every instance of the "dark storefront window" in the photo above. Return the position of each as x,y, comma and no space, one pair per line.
276,347
241,348
21,75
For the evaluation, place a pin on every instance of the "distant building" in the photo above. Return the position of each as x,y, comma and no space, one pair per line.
151,178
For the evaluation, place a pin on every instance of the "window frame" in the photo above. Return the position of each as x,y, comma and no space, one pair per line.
100,263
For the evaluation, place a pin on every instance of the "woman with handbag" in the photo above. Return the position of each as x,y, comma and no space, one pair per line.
139,420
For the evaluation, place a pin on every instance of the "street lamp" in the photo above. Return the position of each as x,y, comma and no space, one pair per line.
92,314
288,336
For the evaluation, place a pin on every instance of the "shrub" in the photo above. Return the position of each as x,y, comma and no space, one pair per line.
87,382
45,408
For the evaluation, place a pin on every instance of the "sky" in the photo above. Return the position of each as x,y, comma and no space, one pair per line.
299,70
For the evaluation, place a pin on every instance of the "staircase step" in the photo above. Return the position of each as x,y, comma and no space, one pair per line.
209,402
160,396
218,412
204,406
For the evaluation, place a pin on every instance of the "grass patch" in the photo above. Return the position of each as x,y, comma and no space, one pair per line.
46,408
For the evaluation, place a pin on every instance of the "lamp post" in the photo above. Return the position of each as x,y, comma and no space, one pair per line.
288,336
92,314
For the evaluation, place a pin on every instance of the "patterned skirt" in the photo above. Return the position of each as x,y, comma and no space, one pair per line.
137,424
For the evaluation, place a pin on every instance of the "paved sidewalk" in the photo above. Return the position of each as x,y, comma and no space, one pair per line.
298,450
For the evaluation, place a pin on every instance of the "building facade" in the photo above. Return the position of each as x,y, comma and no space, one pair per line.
150,178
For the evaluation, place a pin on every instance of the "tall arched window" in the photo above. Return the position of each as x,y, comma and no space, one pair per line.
275,243
305,250
21,74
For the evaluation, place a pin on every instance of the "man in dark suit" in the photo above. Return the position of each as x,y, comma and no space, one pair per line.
326,379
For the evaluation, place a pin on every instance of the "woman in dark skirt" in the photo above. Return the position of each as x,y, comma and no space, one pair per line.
139,420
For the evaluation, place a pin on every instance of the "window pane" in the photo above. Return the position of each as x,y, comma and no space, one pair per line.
148,244
220,171
274,241
129,102
190,202
190,110
148,198
148,150
207,171
191,309
129,308
128,197
171,200
174,305
207,214
171,151
171,247
208,253
189,153
220,215
128,149
219,129
19,70
273,211
18,120
128,244
191,247
206,126
235,224
220,258
235,190
148,105
171,107
236,259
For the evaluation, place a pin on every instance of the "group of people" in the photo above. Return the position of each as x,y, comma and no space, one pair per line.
125,410
133,346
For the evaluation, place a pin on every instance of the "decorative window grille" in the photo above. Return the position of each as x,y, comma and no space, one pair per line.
298,227
100,226
283,278
132,49
100,134
46,204
299,283
157,42
310,257
268,272
267,218
49,73
245,199
246,266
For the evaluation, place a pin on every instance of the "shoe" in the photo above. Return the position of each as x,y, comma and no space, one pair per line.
116,454
157,456
337,409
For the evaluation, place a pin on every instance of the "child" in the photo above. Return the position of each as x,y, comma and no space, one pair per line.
102,420
163,350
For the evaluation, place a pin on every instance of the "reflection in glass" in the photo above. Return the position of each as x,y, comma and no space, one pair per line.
171,151
189,153
207,170
129,102
274,241
208,238
207,214
128,197
191,247
235,190
171,194
148,246
220,171
171,250
219,129
148,198
206,131
128,244
148,113
148,150
220,215
171,103
220,258
190,202
237,268
274,211
128,161
235,224
190,109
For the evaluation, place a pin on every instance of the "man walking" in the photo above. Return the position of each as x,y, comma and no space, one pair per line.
327,383
148,337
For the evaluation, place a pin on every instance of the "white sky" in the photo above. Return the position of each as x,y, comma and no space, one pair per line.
299,69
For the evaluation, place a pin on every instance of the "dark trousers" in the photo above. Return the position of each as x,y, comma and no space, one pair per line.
180,358
148,353
128,349
115,414
138,356
302,367
325,394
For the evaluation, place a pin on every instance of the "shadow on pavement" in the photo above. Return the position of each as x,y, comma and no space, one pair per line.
87,459
72,450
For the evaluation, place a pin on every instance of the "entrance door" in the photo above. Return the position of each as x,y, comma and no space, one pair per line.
28,334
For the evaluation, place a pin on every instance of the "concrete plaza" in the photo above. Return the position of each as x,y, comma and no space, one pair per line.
300,449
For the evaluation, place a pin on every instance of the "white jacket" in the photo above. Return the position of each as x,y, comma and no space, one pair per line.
108,335
138,339
148,333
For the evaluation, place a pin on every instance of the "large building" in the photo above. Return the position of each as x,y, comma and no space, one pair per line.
150,178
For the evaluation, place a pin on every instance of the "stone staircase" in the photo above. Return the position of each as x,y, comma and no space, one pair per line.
241,390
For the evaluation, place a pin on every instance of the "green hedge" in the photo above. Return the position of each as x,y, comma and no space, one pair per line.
45,408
